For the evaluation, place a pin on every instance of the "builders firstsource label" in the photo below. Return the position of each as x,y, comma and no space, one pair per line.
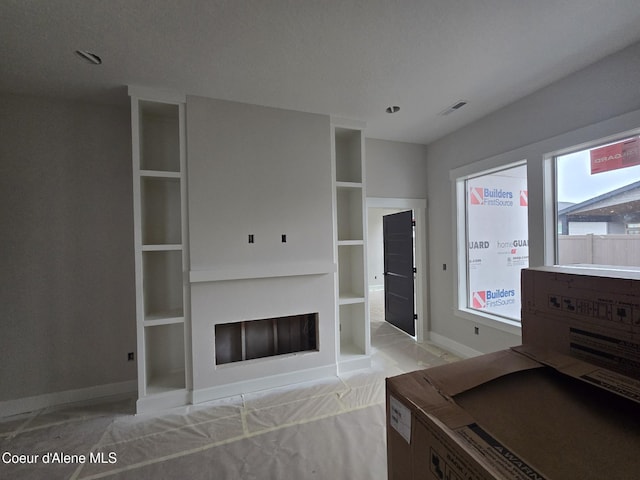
498,240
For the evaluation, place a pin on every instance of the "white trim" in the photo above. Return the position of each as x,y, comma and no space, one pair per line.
549,214
550,186
263,383
156,94
539,169
266,271
341,122
453,346
488,320
186,260
38,402
419,206
460,296
349,184
162,401
350,363
483,167
160,174
535,154
588,144
408,203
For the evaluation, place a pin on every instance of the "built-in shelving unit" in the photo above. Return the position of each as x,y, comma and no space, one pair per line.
350,245
161,254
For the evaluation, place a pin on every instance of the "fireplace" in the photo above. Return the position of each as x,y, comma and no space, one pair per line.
269,337
255,333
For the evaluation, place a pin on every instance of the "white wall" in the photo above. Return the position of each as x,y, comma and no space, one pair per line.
595,102
261,171
266,172
67,287
395,169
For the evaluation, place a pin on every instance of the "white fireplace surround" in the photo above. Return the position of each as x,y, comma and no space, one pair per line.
226,301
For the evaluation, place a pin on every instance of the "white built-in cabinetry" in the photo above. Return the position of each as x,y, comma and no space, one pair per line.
229,300
352,311
161,249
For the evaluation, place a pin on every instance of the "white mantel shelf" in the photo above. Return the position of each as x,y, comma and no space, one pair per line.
261,271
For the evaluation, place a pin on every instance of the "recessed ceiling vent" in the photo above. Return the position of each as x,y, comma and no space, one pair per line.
89,57
453,108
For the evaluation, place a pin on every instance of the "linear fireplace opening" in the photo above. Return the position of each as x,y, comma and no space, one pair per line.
269,337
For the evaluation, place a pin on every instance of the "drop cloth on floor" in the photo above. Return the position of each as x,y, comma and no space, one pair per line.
329,429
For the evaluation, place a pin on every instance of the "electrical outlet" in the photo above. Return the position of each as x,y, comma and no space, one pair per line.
131,357
476,330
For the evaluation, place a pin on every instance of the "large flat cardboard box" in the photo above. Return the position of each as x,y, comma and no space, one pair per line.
537,411
507,416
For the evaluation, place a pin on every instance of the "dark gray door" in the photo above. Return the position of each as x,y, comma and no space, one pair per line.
398,270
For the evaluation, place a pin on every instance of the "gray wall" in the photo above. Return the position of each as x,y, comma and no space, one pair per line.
584,106
67,304
395,169
261,171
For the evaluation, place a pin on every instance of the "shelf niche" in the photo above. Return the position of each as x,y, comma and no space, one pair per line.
163,284
348,150
349,206
248,340
350,271
164,347
352,330
159,136
161,211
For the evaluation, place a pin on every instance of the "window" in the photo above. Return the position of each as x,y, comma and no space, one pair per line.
598,204
493,243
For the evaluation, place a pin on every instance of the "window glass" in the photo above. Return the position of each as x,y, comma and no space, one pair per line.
598,205
497,239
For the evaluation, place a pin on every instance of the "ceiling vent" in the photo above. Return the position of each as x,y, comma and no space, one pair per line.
454,107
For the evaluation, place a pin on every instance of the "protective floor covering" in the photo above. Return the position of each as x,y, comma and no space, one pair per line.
329,429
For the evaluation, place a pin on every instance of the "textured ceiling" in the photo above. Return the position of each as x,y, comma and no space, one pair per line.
349,58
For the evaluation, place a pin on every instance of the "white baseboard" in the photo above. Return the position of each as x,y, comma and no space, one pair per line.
454,347
163,401
257,384
38,402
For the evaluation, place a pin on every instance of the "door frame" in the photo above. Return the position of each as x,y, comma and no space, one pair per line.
419,207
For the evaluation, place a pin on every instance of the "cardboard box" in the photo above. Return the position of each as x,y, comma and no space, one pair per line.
585,312
529,412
